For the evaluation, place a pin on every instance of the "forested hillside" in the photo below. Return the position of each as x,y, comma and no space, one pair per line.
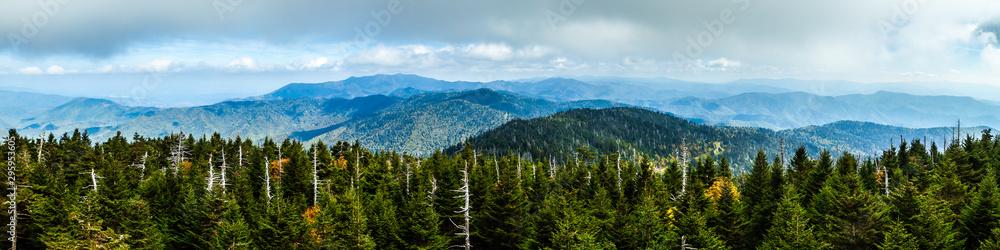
629,131
425,123
418,124
799,109
182,192
866,138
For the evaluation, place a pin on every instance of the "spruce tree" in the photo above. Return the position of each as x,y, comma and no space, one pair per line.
982,213
758,209
792,228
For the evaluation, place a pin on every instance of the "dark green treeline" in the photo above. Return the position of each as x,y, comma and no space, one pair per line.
182,192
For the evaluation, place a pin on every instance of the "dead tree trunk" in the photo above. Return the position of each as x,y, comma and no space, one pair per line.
684,168
618,163
267,177
211,174
464,210
316,179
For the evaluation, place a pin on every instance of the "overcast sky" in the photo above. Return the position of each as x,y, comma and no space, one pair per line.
243,47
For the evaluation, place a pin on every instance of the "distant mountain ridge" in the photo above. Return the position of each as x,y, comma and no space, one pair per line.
661,135
418,124
867,138
774,104
419,114
629,131
800,109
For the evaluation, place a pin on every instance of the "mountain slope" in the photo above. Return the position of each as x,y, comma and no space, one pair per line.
612,130
365,86
424,123
86,113
866,138
257,119
17,106
799,109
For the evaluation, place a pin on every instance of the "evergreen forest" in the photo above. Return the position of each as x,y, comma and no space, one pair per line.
215,192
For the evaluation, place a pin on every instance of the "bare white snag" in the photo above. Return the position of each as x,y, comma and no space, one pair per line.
142,166
357,169
684,245
408,174
316,179
497,166
534,168
93,179
211,174
464,211
267,177
431,194
552,168
241,157
177,153
619,166
222,180
519,170
41,142
684,167
885,181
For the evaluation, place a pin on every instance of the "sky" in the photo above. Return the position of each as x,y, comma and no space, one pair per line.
197,50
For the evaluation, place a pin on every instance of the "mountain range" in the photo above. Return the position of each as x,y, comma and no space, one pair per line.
659,135
418,124
418,114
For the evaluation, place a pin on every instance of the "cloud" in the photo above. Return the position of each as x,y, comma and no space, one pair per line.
991,55
724,63
790,35
158,65
55,70
316,63
30,71
242,64
495,51
105,69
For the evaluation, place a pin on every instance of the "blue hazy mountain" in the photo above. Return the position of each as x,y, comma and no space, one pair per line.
17,106
866,138
424,123
799,109
418,124
660,136
416,114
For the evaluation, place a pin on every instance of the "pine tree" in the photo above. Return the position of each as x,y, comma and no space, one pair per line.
792,228
758,202
847,215
982,213
897,238
800,167
934,226
816,178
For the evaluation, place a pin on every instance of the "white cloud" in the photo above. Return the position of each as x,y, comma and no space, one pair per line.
159,65
242,63
55,70
30,70
987,38
724,63
316,63
105,69
991,55
491,51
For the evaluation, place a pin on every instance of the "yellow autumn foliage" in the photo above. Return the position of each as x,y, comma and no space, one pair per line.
186,166
722,185
276,169
341,163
